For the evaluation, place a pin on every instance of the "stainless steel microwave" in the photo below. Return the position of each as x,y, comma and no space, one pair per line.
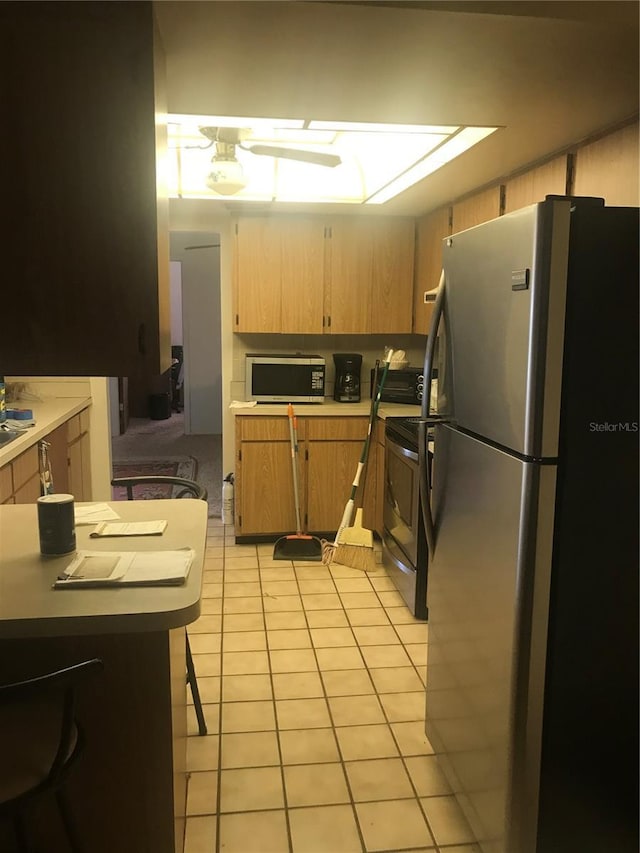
285,378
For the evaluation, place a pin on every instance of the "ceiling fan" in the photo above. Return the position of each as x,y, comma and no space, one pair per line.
227,176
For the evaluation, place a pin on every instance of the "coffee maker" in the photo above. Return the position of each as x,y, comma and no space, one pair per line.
347,384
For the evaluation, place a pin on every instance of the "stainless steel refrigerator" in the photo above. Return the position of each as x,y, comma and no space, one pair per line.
532,520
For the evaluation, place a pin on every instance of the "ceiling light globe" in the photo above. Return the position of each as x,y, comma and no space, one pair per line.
226,177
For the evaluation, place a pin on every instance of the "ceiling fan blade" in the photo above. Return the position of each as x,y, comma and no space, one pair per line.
314,157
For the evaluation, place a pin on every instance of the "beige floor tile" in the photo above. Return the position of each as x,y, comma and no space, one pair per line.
382,584
249,749
368,616
264,548
233,589
306,746
267,562
390,599
200,835
338,571
347,682
243,562
282,603
202,644
356,600
246,688
402,679
297,685
211,713
213,562
214,551
293,660
309,572
399,614
209,689
376,635
393,825
448,823
202,753
461,848
332,637
251,789
241,576
411,738
315,784
245,641
310,586
355,710
404,707
293,620
210,605
417,652
244,663
385,656
322,601
279,587
242,551
207,664
380,779
286,573
358,742
254,832
426,775
289,638
243,622
248,717
418,633
324,828
302,714
212,590
361,584
206,624
326,618
340,658
202,793
212,575
249,604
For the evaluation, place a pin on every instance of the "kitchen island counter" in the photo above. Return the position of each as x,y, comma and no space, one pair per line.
328,409
48,415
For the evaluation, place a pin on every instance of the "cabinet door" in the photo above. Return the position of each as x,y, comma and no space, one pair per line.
608,168
350,274
83,270
534,185
265,489
57,453
257,276
431,231
330,469
475,210
302,282
392,246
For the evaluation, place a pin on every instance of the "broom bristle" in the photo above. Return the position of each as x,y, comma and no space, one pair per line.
356,556
328,551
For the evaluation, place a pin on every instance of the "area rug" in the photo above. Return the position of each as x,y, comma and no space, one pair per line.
173,466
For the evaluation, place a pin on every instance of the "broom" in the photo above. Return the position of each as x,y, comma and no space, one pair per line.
353,546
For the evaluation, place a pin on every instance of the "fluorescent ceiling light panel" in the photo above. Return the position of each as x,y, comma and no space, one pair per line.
377,161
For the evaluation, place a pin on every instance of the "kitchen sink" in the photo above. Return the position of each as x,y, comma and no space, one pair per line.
6,436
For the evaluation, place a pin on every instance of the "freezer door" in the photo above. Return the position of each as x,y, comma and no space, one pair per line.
504,320
485,657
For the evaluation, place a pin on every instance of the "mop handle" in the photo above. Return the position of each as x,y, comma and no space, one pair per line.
294,464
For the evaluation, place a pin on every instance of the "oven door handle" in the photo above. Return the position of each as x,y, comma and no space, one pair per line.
423,458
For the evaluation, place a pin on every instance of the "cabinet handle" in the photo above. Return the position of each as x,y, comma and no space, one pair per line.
329,320
237,319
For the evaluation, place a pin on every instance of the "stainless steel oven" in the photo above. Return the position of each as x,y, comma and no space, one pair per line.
404,544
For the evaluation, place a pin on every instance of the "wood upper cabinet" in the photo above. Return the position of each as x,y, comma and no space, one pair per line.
431,230
608,168
370,280
532,186
279,275
475,210
85,275
309,275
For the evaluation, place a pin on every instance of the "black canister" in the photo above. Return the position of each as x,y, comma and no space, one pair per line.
56,525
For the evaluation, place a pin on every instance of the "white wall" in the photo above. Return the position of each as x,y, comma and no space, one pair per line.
175,277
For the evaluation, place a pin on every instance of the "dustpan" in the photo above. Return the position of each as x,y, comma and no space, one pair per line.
298,545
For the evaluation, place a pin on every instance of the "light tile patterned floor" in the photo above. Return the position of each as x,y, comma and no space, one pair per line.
312,680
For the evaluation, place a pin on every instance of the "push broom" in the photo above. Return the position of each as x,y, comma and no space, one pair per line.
353,546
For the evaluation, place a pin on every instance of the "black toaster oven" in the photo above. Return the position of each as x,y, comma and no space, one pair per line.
401,386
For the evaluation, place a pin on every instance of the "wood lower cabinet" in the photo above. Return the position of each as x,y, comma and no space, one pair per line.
78,456
329,451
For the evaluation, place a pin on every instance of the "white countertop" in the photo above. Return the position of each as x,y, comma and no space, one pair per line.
48,415
330,409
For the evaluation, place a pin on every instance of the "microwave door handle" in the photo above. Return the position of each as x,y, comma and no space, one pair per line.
423,454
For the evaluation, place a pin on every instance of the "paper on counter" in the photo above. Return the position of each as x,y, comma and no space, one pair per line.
135,568
239,404
92,513
129,528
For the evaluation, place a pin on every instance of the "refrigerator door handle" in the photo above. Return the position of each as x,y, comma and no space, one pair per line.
423,456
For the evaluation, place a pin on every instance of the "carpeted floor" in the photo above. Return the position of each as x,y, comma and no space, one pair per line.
166,438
